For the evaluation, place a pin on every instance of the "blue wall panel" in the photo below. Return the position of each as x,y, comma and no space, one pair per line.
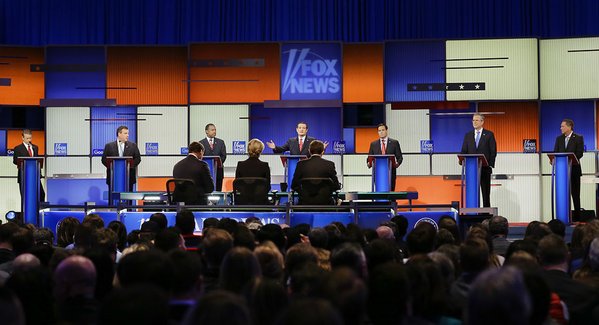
552,114
414,62
105,121
3,143
349,136
279,124
447,131
75,72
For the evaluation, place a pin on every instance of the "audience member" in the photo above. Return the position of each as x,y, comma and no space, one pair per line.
121,234
74,291
271,261
215,245
66,231
498,229
219,307
239,268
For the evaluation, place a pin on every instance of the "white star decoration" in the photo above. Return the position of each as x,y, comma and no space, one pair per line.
461,86
477,86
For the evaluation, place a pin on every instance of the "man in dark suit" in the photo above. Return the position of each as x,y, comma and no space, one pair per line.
482,141
569,141
297,145
122,147
253,167
386,146
192,167
315,167
26,149
214,146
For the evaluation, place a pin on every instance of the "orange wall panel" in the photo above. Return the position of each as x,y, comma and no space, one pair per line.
520,121
234,84
362,73
431,189
158,75
27,88
15,138
151,184
363,138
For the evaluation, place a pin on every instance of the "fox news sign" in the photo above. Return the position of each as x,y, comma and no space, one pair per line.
60,149
238,147
311,71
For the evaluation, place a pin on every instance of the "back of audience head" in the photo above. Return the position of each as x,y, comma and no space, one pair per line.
499,296
526,245
6,232
11,308
474,255
299,255
402,225
270,260
352,256
267,298
33,287
274,233
537,230
104,264
239,268
557,227
137,304
22,240
305,281
187,272
319,238
215,245
75,277
553,252
498,226
443,237
25,262
160,219
321,312
385,232
219,307
389,294
145,267
94,220
244,237
185,221
445,266
107,241
209,223
380,251
86,236
427,286
421,240
347,293
121,233
228,224
43,236
169,239
449,223
453,253
133,237
593,256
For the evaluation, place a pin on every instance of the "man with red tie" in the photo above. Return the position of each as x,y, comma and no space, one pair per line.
26,149
297,145
214,146
386,146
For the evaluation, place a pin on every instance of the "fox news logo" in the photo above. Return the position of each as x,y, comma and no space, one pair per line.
530,145
238,147
60,149
339,147
312,73
152,148
426,146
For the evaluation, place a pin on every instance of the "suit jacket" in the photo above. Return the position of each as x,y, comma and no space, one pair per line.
253,167
197,170
21,151
575,145
391,148
486,145
111,149
292,145
316,166
580,298
220,149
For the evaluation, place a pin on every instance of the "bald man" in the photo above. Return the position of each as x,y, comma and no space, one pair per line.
74,288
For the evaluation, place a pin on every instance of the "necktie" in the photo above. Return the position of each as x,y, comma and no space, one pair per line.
301,143
211,143
383,147
477,139
120,149
29,150
567,139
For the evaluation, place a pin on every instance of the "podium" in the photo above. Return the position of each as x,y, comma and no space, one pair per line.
381,174
290,163
119,176
214,163
560,184
470,185
30,182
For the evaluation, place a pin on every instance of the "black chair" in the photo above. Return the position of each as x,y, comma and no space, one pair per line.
317,191
251,191
183,190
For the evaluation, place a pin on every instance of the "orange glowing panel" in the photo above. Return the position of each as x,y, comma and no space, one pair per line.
19,85
517,121
147,75
152,184
363,138
15,138
234,73
362,73
431,189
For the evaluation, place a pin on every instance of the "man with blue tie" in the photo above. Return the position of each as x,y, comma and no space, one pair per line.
122,147
569,141
482,141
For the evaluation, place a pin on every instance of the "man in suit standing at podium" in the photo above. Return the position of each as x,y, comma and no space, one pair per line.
482,141
26,149
569,141
386,146
214,146
297,145
122,147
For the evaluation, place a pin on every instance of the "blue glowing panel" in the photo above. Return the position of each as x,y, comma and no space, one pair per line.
447,131
75,72
581,112
414,71
349,136
3,143
311,71
76,191
279,124
105,121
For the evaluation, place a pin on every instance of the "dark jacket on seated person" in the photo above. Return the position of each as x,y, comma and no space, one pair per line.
253,167
315,167
197,170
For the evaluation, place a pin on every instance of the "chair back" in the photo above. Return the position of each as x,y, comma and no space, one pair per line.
182,190
251,191
316,191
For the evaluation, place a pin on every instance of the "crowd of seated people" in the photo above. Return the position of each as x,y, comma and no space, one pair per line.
245,272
